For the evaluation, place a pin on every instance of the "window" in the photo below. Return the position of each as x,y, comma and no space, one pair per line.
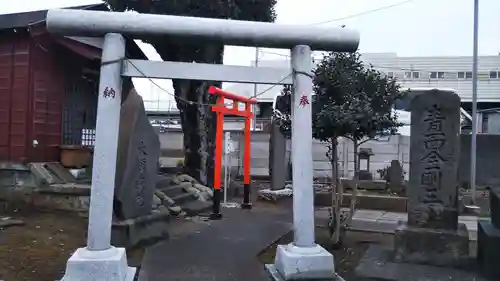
494,74
390,74
412,75
437,75
464,75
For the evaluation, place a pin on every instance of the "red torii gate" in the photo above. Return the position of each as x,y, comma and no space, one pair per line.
221,110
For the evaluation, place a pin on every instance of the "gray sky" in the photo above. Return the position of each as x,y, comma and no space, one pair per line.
416,28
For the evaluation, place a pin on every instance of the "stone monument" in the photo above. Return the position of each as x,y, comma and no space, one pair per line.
488,238
137,160
395,173
432,245
277,155
136,177
433,234
395,178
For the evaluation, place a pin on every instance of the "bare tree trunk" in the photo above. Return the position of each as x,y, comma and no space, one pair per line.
197,119
337,194
354,191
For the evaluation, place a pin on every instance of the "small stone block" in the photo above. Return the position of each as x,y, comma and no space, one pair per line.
109,265
495,206
195,207
488,249
215,216
301,263
431,246
246,206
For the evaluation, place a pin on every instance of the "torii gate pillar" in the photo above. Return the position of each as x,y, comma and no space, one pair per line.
301,259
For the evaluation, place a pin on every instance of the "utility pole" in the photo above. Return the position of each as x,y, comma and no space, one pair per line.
474,105
254,109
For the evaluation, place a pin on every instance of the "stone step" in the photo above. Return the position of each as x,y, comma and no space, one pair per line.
62,173
172,190
183,198
164,180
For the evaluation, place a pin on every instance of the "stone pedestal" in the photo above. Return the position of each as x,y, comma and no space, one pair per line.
141,231
109,265
488,239
488,246
431,246
301,263
495,206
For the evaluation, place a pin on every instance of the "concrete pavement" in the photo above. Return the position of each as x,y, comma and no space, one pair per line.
386,222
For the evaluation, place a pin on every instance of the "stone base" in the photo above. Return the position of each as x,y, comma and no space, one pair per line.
431,246
297,263
378,265
276,276
141,231
488,249
109,265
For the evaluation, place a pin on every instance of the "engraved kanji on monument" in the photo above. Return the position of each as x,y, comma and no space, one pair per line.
433,234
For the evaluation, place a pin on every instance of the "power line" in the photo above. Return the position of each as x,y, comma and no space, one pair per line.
365,12
263,52
177,98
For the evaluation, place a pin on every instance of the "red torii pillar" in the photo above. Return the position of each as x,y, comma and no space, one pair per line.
221,110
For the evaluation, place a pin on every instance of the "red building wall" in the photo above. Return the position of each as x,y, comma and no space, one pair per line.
31,93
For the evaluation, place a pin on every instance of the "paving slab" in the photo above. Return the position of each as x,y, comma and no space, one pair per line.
394,216
377,265
369,214
224,250
386,222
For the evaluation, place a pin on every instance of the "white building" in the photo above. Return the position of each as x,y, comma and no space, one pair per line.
442,72
411,72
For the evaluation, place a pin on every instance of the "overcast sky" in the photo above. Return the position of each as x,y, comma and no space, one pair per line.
413,28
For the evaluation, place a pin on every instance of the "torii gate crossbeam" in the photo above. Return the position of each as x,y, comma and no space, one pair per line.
302,259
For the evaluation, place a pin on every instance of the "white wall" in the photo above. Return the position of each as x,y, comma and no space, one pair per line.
385,149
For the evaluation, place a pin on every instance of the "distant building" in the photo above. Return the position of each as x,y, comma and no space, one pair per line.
443,72
413,72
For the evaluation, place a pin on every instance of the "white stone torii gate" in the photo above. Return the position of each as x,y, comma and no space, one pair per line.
303,258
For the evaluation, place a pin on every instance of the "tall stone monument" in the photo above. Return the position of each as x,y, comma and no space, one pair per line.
137,160
277,156
432,234
136,223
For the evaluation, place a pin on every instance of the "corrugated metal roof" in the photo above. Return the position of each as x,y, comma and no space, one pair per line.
17,20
